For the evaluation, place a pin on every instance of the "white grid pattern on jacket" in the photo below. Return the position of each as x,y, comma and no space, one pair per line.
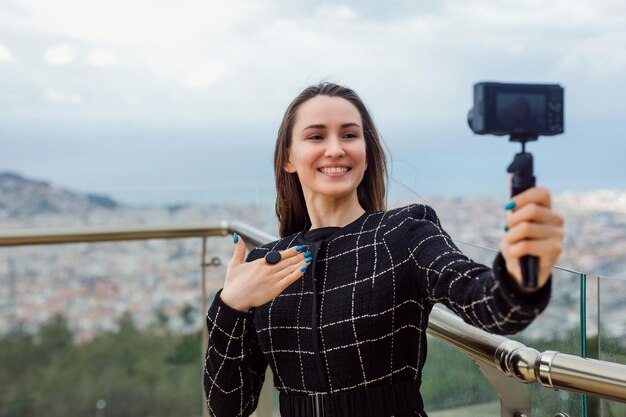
375,283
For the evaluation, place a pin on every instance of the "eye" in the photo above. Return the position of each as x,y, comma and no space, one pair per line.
315,137
350,135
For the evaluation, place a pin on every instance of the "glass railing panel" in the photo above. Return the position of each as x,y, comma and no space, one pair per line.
92,285
452,385
611,304
106,328
558,328
471,392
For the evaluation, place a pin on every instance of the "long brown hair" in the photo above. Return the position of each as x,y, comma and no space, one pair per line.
290,204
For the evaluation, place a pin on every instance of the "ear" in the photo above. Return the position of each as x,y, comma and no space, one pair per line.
288,167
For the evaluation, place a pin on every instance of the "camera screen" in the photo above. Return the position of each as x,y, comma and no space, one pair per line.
523,113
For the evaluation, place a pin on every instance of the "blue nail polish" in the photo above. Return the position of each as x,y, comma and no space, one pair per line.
235,238
307,254
300,248
308,260
506,228
303,268
510,205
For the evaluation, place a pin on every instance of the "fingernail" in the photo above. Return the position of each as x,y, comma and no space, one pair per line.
235,238
510,205
308,260
300,248
506,227
303,268
307,254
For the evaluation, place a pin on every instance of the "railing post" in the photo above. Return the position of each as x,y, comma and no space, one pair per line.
205,335
514,399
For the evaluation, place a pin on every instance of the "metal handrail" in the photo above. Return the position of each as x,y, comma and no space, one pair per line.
550,368
54,236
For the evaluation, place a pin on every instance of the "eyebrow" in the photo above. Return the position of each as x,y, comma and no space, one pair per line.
323,126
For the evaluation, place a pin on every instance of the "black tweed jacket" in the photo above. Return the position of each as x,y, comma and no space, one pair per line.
358,316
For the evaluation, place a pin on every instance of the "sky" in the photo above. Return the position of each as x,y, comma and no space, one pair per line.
173,100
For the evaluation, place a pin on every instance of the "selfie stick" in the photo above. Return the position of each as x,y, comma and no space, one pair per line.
523,179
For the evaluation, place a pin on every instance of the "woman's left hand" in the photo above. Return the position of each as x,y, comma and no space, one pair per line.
534,229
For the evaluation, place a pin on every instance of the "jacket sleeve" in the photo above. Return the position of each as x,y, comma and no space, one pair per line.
484,297
234,367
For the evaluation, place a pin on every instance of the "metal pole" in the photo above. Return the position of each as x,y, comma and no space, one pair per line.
205,334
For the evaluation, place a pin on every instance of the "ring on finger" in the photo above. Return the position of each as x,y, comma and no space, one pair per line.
272,257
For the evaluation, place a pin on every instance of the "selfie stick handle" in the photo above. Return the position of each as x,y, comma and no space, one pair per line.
523,179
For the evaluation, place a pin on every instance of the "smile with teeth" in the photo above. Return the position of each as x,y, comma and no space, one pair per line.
334,170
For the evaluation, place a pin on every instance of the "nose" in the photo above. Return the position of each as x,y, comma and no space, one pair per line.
334,148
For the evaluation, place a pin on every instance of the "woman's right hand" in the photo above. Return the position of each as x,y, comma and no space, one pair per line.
251,284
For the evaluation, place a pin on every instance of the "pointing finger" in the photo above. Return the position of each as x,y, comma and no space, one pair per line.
239,253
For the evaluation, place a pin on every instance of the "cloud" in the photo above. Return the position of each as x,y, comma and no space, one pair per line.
5,54
414,66
59,55
206,73
101,57
139,22
58,97
335,11
600,57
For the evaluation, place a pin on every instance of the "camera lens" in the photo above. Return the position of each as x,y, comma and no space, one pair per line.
470,118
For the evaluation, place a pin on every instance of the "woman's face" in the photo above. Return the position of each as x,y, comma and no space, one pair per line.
327,148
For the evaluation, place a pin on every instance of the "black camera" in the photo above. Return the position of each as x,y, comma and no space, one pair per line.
517,109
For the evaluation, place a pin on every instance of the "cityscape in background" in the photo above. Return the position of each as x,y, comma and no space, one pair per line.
160,280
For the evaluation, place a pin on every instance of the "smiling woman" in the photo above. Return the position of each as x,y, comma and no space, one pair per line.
328,126
338,307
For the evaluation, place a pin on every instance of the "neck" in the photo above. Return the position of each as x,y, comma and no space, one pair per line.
336,212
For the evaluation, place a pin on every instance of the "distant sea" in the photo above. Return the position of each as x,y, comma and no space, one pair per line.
170,164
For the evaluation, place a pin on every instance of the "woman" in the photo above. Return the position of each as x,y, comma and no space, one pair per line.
338,307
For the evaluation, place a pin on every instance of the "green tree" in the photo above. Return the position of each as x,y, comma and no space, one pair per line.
187,313
161,318
131,370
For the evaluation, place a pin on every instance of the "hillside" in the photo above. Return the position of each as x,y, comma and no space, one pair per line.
21,196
